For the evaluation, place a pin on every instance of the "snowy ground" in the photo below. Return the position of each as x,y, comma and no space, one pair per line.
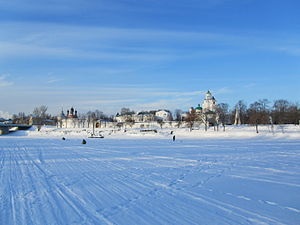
146,180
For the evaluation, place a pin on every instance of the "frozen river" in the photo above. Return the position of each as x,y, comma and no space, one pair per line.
143,181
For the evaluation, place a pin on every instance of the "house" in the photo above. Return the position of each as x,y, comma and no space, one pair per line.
123,118
139,117
144,116
163,115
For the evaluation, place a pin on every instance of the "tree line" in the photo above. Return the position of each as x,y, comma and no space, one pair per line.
39,116
262,112
259,112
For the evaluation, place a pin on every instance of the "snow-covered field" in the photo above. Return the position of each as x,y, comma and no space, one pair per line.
234,177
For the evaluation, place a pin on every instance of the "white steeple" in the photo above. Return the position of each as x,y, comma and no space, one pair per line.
237,119
209,103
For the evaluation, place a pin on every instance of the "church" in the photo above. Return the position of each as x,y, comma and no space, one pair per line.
207,112
70,120
209,104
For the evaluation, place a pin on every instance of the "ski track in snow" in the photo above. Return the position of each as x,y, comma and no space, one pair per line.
50,181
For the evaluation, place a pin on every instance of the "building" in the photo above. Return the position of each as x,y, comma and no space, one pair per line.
70,120
209,103
163,115
207,112
144,116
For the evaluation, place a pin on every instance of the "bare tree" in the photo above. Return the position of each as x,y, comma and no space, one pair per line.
258,113
39,114
280,111
89,118
99,114
177,115
294,114
223,112
21,118
161,123
191,118
129,121
40,111
126,111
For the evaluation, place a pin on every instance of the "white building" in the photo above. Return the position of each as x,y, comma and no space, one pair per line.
137,117
207,113
209,104
143,117
163,115
70,120
124,118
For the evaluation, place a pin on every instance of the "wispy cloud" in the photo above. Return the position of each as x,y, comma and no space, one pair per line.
52,80
145,6
249,85
4,82
105,43
291,50
107,99
223,90
128,44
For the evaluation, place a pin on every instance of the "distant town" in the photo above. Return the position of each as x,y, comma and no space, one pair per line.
207,113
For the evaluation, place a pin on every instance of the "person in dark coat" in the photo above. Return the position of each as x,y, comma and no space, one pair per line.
173,137
83,141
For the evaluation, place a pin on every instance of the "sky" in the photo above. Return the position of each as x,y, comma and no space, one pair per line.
146,54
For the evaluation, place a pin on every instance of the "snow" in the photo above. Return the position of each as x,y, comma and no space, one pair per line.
232,177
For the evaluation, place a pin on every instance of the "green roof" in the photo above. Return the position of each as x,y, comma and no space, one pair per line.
199,107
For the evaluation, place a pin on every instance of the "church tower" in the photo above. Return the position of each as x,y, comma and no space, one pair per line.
209,103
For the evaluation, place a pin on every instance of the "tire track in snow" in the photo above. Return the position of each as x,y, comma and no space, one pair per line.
266,180
29,193
10,173
63,196
138,188
46,197
230,209
247,215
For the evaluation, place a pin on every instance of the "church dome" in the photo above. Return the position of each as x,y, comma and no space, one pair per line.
198,108
208,95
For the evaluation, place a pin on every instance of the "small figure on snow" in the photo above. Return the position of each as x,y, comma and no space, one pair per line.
83,142
63,138
173,137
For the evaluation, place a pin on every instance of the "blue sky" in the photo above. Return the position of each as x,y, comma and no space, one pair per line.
146,54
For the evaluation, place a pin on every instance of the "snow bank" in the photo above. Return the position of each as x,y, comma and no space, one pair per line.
231,132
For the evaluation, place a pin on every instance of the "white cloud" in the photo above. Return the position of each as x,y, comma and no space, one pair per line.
291,50
64,41
4,82
53,79
223,90
107,99
171,103
250,85
116,6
